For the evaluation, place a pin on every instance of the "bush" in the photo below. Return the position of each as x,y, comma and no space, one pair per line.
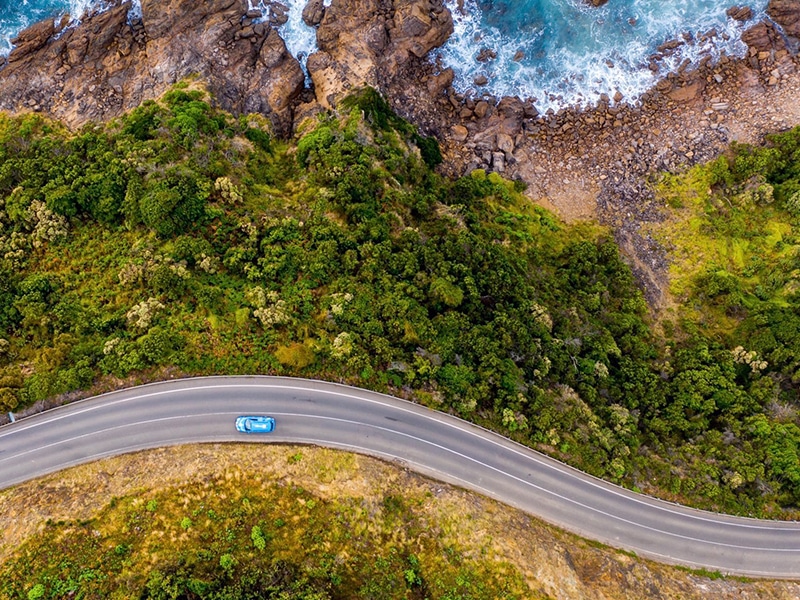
175,203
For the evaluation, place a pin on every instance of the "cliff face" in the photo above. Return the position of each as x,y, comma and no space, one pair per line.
787,14
367,41
108,65
765,38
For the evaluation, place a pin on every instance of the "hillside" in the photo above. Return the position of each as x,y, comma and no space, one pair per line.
243,521
181,240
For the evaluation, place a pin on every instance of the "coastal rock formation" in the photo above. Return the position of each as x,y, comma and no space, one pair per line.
108,65
313,12
773,43
786,13
364,42
765,37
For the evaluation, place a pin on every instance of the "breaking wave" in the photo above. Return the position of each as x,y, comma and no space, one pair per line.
558,53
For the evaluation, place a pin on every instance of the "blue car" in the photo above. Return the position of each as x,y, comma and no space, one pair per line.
255,424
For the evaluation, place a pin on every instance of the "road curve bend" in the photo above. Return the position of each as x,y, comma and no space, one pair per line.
430,442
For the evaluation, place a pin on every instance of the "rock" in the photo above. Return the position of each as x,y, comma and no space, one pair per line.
480,80
764,37
529,110
376,37
687,92
505,143
313,12
485,55
439,83
131,62
664,85
595,3
740,13
670,45
518,56
786,13
481,108
459,133
498,162
757,36
278,14
32,39
425,24
415,22
511,107
369,42
618,97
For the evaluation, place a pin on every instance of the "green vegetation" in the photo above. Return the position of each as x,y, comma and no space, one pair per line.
735,233
254,538
179,236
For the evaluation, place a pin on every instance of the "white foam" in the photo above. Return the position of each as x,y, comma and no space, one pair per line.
608,54
135,12
79,8
300,39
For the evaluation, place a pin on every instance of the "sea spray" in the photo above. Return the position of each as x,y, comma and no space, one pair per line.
558,52
300,39
566,53
135,13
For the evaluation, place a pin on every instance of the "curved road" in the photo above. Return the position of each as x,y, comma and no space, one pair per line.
444,447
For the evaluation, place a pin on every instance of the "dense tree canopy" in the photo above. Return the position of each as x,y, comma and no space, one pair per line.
179,236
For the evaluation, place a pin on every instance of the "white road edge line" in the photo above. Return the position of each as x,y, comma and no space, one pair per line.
420,440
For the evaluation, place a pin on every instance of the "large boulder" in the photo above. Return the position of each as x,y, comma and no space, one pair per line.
766,37
786,13
313,12
109,64
366,42
33,38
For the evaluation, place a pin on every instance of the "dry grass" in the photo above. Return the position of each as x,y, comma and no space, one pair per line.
381,506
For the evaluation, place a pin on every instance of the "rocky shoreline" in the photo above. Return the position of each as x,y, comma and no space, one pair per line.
584,164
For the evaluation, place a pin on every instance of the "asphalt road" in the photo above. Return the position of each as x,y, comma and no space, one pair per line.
446,448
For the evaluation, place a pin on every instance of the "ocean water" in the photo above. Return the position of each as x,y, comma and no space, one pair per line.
301,40
16,15
556,52
567,53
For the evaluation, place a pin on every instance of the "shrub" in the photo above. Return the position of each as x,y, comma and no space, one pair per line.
257,537
36,592
174,204
295,355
